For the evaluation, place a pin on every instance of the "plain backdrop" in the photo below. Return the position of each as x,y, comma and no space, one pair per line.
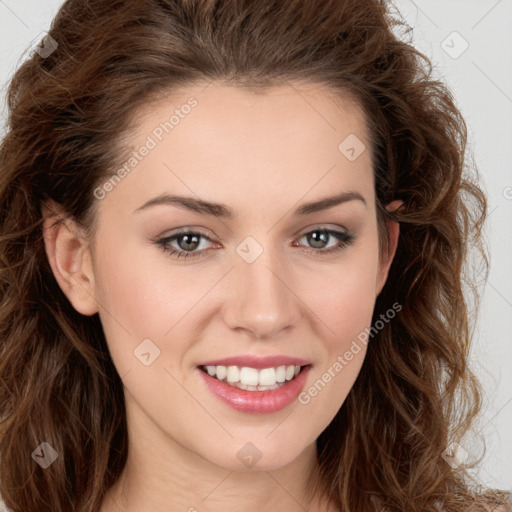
470,44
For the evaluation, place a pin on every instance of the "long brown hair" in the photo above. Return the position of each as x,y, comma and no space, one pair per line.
68,112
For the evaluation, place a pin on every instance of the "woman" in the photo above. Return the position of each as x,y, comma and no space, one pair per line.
308,350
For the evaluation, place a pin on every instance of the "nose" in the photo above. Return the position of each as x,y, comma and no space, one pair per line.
261,301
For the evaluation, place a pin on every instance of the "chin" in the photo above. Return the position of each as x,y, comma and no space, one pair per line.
258,453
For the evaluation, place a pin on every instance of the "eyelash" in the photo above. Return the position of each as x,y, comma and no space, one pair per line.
345,239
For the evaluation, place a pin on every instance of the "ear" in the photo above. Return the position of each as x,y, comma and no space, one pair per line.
387,258
68,253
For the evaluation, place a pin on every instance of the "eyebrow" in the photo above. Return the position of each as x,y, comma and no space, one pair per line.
222,211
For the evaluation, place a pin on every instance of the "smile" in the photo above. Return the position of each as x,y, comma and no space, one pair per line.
251,390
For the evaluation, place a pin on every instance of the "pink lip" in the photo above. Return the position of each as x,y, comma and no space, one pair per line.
257,362
257,401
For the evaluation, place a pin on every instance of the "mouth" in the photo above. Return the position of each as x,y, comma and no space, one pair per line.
255,390
254,379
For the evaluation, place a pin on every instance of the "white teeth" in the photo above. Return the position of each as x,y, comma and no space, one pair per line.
281,373
253,379
249,376
233,374
221,372
267,377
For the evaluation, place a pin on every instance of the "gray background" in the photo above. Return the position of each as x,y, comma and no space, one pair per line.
481,80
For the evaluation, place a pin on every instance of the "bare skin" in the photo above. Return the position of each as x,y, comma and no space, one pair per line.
263,156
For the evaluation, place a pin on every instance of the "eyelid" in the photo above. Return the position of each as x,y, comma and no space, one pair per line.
322,227
185,230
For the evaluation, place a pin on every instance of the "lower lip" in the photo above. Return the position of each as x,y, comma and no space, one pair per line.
257,401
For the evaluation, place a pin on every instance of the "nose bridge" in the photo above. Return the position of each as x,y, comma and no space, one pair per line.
261,301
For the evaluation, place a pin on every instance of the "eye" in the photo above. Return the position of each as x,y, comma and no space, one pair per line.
188,242
318,237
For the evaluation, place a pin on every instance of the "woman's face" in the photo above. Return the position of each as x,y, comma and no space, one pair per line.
260,283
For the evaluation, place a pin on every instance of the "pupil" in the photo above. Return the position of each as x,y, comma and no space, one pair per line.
318,237
194,241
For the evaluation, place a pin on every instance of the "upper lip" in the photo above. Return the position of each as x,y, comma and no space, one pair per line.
257,362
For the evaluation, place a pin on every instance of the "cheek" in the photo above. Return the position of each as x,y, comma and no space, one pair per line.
343,296
144,296
137,299
345,308
138,286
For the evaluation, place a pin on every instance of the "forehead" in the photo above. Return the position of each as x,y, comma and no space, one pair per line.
268,109
222,142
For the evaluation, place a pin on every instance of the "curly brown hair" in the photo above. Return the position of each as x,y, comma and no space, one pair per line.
68,113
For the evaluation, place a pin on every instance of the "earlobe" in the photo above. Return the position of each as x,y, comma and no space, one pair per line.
69,257
393,228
